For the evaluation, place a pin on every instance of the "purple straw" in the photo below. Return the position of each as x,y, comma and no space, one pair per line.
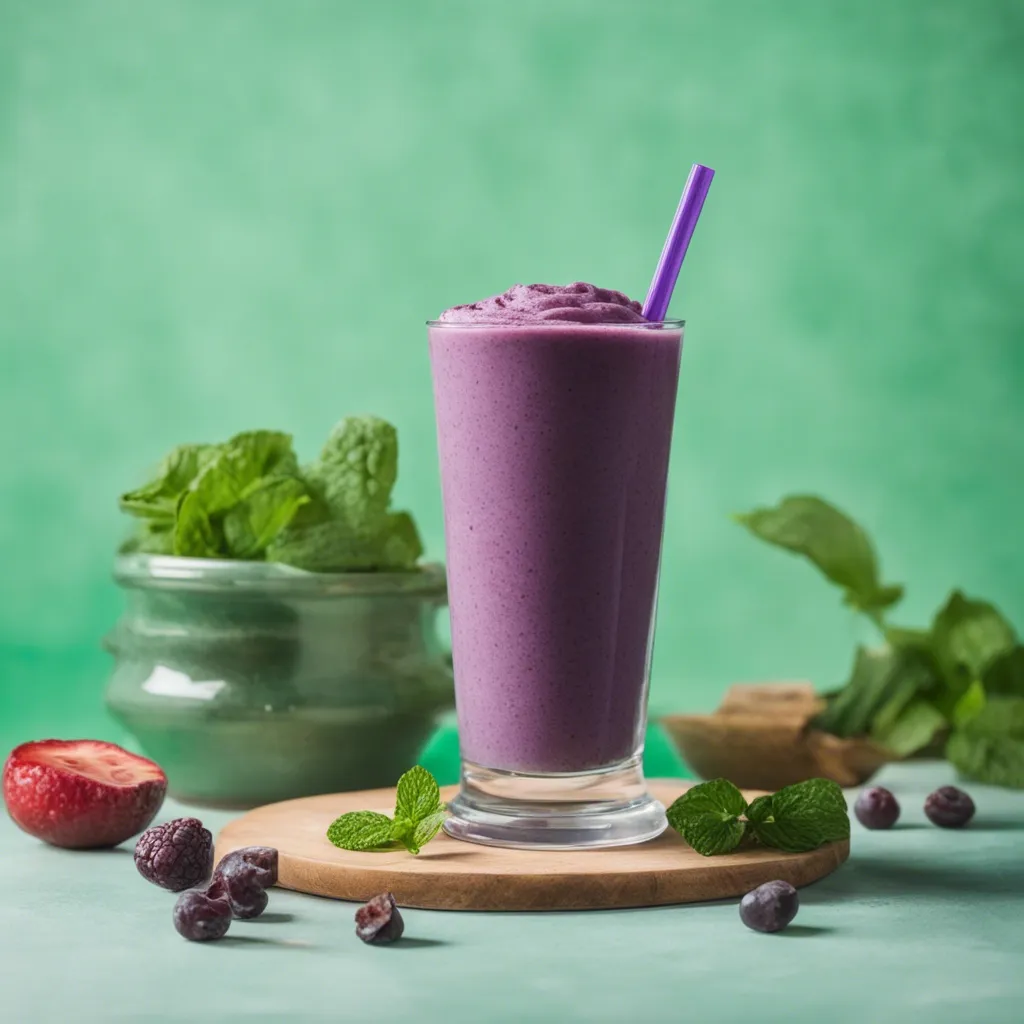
679,235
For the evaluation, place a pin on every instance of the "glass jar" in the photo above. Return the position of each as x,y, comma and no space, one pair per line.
251,682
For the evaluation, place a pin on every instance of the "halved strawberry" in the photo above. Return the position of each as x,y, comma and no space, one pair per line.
81,793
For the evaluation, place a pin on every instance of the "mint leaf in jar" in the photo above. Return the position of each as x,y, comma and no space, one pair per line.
158,499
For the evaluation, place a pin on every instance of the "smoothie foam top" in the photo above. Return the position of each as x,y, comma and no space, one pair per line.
579,303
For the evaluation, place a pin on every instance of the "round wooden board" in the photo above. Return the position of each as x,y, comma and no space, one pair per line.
453,875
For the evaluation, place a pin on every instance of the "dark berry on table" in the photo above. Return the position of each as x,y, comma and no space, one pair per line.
380,921
242,878
769,907
201,918
949,807
258,861
876,808
176,855
246,897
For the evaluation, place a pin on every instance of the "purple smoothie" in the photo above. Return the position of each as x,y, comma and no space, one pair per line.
554,417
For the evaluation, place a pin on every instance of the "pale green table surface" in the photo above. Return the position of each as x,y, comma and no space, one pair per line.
921,924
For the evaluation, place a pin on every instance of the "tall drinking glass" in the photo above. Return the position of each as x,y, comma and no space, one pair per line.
554,444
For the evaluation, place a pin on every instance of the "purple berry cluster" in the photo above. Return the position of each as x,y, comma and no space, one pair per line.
178,855
237,890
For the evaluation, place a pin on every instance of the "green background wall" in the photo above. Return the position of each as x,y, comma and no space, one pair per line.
221,215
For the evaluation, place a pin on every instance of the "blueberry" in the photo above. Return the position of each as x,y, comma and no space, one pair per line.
876,808
245,898
949,807
379,921
201,918
176,855
242,878
259,861
769,907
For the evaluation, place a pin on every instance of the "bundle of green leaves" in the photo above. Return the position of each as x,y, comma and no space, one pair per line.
249,499
958,685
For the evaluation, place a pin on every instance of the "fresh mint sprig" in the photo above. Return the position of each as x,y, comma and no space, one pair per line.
714,817
419,815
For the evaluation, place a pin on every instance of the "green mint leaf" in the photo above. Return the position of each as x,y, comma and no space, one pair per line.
990,746
1004,676
323,547
333,546
158,499
399,543
970,704
967,638
827,537
352,483
801,817
153,537
417,796
361,830
266,510
707,816
914,728
404,831
224,483
760,810
429,827
357,470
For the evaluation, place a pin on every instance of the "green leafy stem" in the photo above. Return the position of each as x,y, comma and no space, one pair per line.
959,682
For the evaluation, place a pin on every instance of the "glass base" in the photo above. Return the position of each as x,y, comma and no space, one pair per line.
566,811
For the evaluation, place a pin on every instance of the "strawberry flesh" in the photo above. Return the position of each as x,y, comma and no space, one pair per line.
81,793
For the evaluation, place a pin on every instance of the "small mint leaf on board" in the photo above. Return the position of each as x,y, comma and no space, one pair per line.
417,796
800,817
832,541
361,830
429,827
707,816
419,815
404,831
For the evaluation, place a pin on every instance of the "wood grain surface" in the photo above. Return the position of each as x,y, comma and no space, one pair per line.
454,875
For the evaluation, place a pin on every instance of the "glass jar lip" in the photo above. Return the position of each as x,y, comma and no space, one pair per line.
638,325
172,572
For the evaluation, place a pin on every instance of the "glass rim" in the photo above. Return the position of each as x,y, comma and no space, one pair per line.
216,575
641,325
